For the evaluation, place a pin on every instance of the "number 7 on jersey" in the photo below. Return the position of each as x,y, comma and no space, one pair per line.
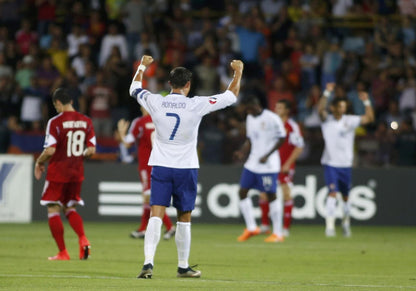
175,128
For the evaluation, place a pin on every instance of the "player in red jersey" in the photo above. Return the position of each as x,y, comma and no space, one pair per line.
289,153
69,139
142,131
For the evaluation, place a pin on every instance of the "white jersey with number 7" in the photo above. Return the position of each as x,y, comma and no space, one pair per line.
177,118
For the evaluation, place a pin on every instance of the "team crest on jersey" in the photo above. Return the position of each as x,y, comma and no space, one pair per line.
212,100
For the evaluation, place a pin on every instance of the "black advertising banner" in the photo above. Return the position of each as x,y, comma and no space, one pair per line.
111,192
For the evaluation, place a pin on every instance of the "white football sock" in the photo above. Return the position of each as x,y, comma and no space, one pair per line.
331,203
246,207
151,239
346,216
183,243
276,215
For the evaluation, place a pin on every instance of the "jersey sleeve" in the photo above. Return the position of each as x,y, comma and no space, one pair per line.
207,104
141,95
354,120
280,131
295,137
91,139
51,136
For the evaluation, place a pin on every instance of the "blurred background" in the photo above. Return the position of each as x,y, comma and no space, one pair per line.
291,49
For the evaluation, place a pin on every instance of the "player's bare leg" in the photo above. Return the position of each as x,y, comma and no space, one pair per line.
151,240
331,202
57,230
287,208
183,245
246,207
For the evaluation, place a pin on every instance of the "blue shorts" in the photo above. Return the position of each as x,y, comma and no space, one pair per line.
178,185
338,179
262,182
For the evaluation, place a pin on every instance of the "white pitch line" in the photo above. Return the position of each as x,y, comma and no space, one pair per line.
211,281
60,276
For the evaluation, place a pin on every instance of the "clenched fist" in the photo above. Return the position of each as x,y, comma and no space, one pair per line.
146,60
237,65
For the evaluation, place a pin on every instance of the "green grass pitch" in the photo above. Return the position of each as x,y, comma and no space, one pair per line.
374,258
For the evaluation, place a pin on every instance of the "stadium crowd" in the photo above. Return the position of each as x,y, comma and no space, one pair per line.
291,49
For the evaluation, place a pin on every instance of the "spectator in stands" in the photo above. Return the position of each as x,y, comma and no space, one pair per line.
279,91
59,56
24,73
392,118
75,39
100,98
88,79
25,36
331,62
207,77
113,39
271,8
407,32
175,49
251,42
134,15
308,108
309,62
385,138
46,15
405,145
341,7
46,75
34,109
407,98
407,7
382,90
83,57
5,69
95,30
146,43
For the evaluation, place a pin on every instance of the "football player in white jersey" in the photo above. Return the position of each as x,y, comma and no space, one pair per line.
265,134
174,155
338,130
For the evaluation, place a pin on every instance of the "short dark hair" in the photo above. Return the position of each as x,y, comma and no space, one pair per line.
62,95
338,100
179,76
286,103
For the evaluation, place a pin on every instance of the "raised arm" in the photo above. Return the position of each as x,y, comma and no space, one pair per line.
235,83
323,101
136,83
122,127
368,116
